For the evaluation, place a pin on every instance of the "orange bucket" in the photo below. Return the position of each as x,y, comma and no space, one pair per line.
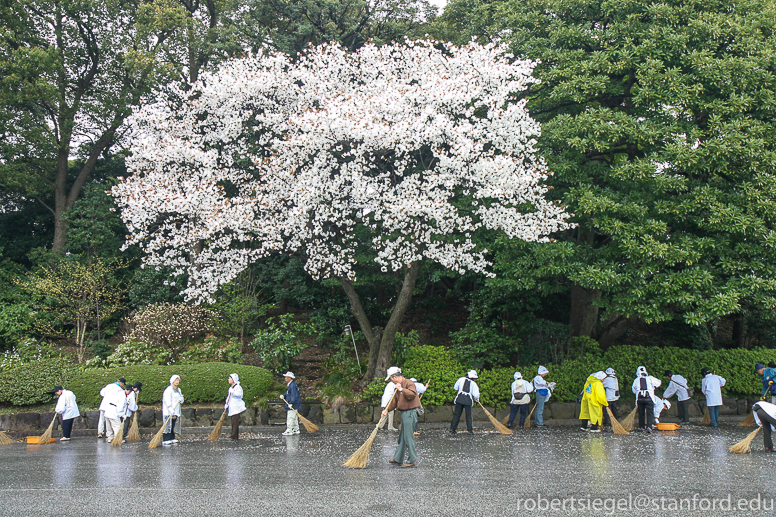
34,440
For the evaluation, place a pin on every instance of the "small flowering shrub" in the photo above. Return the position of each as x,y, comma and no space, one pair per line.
26,351
280,343
171,327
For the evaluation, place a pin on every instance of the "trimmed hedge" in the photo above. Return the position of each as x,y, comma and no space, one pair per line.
200,383
438,364
30,383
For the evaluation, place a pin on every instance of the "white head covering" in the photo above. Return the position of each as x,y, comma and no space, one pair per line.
393,370
610,371
599,375
472,374
413,379
235,378
289,374
543,370
173,378
518,376
641,371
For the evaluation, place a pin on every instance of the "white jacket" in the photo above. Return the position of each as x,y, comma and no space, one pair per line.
522,385
711,386
769,408
652,383
66,405
611,387
131,405
170,401
236,404
387,394
678,385
116,402
106,392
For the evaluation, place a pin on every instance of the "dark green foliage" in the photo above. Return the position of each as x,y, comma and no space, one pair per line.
478,346
29,384
200,383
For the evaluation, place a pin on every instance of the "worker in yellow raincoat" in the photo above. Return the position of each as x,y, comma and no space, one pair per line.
593,400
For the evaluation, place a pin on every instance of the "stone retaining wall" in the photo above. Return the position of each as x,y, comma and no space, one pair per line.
348,414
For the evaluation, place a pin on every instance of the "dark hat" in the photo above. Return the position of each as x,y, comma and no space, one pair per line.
758,366
771,364
138,386
705,372
56,389
669,373
122,380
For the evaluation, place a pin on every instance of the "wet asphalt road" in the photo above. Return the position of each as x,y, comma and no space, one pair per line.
533,472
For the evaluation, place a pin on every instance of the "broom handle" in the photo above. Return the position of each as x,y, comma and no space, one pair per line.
227,406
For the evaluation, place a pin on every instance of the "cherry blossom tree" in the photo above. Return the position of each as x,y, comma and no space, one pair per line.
401,151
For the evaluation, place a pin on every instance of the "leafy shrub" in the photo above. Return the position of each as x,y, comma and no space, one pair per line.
16,321
280,343
26,351
213,349
479,347
172,326
29,383
200,383
402,345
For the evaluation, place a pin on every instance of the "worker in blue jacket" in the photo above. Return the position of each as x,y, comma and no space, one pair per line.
293,400
768,376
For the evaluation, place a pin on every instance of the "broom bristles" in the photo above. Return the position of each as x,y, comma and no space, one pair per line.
501,428
745,445
134,430
157,439
528,419
309,426
5,439
628,421
359,458
119,438
748,420
216,434
706,417
505,420
616,426
46,437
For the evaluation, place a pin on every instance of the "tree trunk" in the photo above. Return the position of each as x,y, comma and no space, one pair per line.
584,311
380,350
615,327
740,331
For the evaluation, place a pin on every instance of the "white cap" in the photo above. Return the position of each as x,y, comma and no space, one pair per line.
610,371
472,374
518,375
599,375
235,378
413,379
543,370
393,370
289,374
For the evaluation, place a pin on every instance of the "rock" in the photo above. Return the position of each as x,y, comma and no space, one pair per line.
478,415
92,419
436,414
729,406
5,422
364,414
146,418
694,408
45,420
742,407
247,417
159,418
262,415
25,422
347,414
79,423
315,414
205,417
277,415
330,416
503,413
188,417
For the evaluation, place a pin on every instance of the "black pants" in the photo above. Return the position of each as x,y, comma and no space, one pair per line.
522,409
766,420
171,435
646,413
127,424
235,426
457,416
683,407
67,427
615,412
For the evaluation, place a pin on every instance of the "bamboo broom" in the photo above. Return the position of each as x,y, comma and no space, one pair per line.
748,420
311,427
628,421
359,458
5,439
216,434
46,437
501,428
528,420
745,445
706,417
119,438
616,426
157,439
134,429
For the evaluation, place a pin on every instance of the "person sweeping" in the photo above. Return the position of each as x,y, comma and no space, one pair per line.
644,388
765,416
521,399
711,386
405,401
293,400
593,400
235,404
67,407
172,399
467,393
